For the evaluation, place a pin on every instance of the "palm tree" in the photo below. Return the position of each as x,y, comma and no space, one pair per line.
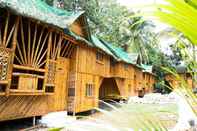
140,37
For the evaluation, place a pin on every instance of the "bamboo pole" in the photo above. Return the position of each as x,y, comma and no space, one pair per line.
6,28
23,40
57,52
71,50
68,49
54,44
41,58
29,44
38,45
65,48
20,62
9,36
20,54
41,64
41,50
34,42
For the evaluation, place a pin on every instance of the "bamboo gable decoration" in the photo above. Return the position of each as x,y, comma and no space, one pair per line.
53,63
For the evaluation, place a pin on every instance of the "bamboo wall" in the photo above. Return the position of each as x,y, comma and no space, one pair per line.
83,102
89,64
76,27
15,107
48,71
123,70
148,81
138,79
88,71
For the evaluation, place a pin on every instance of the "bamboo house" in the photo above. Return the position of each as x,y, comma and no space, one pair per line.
184,77
49,62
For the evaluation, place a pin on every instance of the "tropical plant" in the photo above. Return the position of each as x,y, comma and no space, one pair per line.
139,37
182,16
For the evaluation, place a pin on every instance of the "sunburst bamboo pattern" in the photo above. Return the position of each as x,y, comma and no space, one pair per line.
32,50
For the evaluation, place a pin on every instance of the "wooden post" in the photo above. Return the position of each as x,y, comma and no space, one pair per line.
10,68
75,97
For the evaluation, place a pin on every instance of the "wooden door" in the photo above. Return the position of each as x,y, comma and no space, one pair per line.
61,89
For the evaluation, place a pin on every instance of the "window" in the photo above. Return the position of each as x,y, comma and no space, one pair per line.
89,89
71,91
99,56
126,66
112,62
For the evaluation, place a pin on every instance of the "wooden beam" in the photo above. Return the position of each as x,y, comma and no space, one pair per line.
28,68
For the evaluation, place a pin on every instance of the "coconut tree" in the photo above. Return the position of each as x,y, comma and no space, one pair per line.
139,37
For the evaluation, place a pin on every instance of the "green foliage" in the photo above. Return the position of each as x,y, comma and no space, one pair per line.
55,129
181,15
104,17
139,37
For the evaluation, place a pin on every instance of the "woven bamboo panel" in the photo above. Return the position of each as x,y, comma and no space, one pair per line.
4,62
51,72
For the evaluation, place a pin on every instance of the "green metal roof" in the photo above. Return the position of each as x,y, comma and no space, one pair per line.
77,37
99,44
121,55
39,10
147,68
